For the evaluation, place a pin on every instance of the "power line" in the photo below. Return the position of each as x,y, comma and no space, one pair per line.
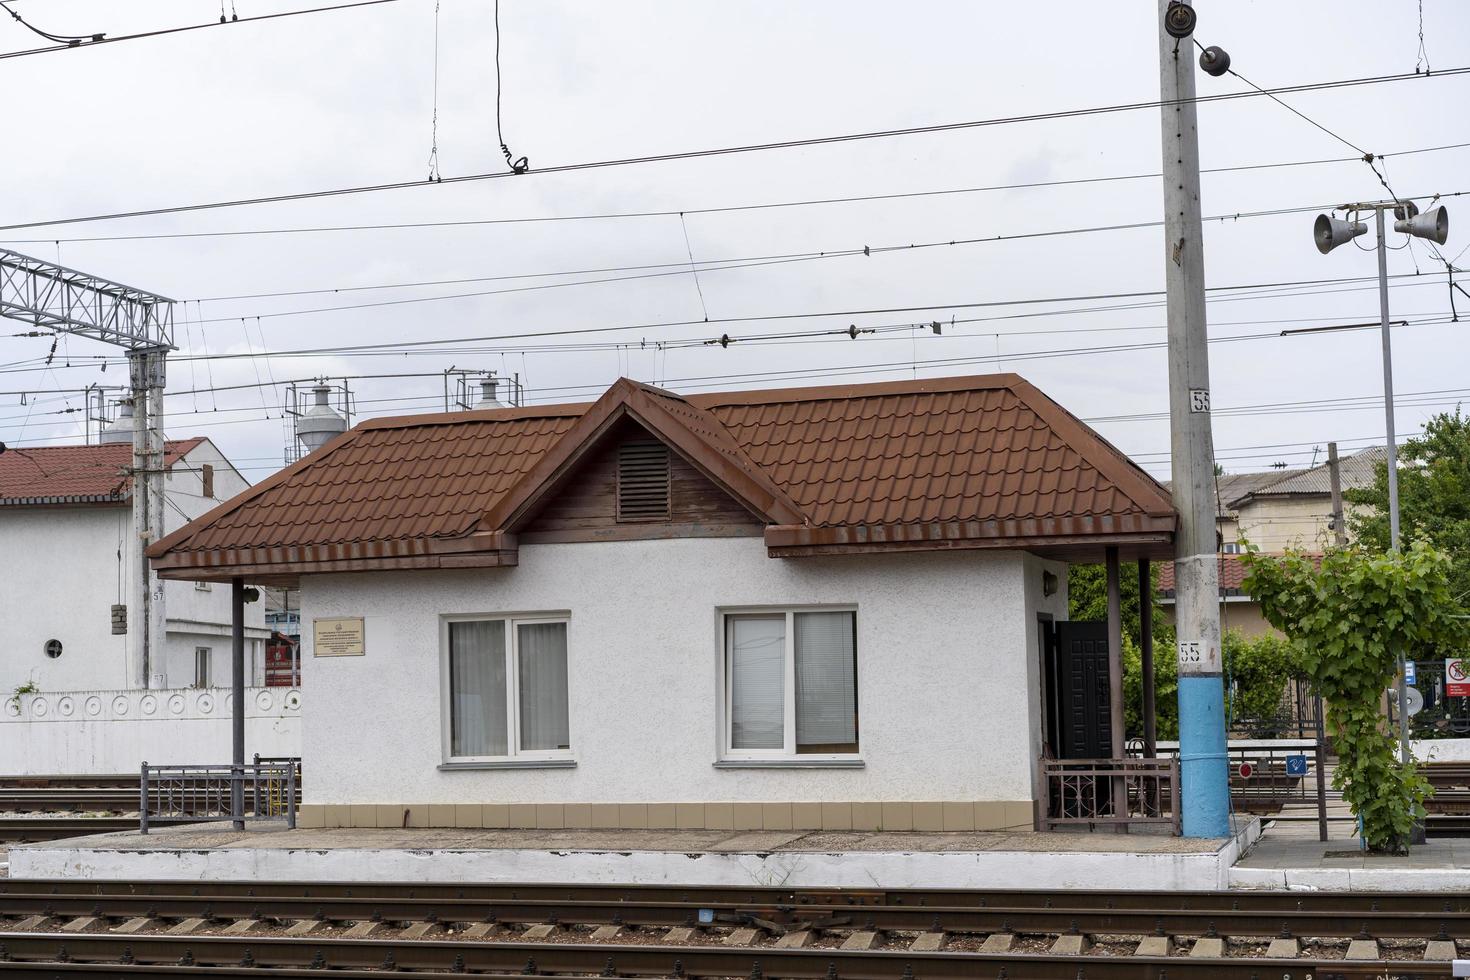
95,39
809,202
760,318
692,267
437,348
744,148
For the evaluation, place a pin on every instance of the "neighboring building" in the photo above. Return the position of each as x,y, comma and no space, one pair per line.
814,607
1272,511
66,531
1295,509
283,611
1238,611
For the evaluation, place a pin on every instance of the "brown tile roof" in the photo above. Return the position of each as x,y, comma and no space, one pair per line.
956,462
48,475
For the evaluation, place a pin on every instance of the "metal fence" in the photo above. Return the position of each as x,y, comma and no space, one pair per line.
1086,792
1297,715
267,789
1267,775
1442,716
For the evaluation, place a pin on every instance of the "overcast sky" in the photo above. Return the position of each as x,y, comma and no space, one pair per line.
346,98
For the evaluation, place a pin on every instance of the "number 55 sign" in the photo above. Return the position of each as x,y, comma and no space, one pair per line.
1457,678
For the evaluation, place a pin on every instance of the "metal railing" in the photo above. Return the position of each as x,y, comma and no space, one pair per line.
267,789
1086,792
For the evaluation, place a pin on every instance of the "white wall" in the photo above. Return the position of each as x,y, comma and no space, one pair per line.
945,649
115,731
66,566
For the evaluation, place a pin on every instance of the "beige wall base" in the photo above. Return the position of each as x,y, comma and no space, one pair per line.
927,816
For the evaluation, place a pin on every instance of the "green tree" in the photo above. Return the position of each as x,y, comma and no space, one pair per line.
1434,497
1087,596
1345,620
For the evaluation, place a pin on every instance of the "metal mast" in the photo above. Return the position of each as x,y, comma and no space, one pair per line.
52,297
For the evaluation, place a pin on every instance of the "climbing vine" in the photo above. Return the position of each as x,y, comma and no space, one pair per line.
1346,620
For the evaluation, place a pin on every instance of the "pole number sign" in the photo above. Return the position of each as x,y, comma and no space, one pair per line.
1457,678
1199,400
1192,653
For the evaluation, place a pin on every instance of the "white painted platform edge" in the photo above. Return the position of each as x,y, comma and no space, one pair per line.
1352,879
851,869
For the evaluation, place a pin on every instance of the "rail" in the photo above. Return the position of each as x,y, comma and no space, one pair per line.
191,794
1086,792
68,927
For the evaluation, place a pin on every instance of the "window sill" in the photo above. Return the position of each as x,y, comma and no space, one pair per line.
796,763
510,764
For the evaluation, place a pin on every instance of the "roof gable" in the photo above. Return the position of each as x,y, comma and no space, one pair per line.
688,430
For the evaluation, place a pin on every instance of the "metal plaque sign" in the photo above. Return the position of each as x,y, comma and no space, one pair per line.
342,637
1457,678
1411,672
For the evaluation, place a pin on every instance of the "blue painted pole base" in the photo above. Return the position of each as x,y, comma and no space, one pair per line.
1204,764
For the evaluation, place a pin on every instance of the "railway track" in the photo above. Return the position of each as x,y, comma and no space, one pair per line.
35,830
72,927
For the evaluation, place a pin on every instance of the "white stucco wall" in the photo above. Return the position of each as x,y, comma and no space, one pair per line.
946,644
66,566
115,731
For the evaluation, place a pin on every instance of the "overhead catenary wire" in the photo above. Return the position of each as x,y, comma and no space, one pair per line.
95,40
692,267
722,209
737,149
439,347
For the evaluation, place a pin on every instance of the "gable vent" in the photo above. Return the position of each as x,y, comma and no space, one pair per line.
643,481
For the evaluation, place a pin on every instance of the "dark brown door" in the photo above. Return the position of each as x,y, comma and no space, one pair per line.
1082,668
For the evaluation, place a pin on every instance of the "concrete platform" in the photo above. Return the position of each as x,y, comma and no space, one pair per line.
1294,863
688,857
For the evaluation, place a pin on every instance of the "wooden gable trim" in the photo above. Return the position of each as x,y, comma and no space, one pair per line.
725,466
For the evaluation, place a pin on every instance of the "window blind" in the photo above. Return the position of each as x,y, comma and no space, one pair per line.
826,680
477,723
756,648
542,648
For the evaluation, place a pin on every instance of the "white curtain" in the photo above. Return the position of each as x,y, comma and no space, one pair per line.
477,724
542,649
756,648
826,679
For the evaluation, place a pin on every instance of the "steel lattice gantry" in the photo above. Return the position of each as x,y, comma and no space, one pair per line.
52,297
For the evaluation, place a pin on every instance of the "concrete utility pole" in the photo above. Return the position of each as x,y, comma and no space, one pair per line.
1339,532
149,628
1203,762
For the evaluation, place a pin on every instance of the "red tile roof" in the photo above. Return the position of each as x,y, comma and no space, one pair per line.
957,462
49,475
1231,569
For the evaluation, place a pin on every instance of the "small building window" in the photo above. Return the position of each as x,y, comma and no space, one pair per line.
53,648
201,666
206,479
507,686
643,481
790,684
202,586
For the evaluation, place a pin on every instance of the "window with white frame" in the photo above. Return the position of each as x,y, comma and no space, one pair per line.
790,682
506,684
202,656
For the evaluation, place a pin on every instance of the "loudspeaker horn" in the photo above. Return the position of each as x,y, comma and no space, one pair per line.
1433,224
1330,232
